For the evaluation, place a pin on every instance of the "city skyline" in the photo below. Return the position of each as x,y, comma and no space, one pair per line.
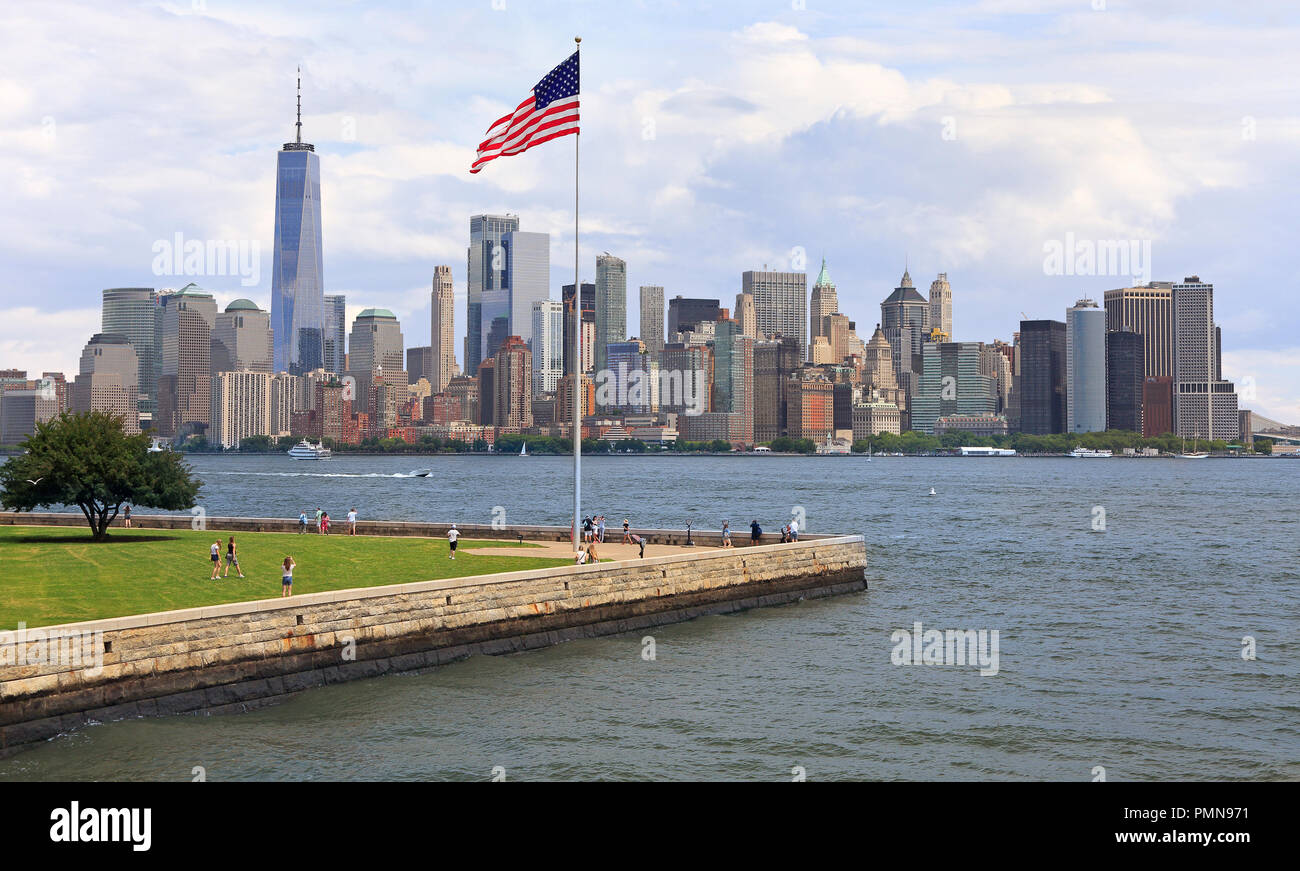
996,272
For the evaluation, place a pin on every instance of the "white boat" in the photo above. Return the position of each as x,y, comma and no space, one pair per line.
932,493
1194,455
523,451
1090,454
422,473
305,450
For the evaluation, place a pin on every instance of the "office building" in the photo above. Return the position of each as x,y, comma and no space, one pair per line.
1205,406
1040,385
611,305
442,329
780,304
241,339
1085,368
185,385
588,315
486,262
905,322
418,363
810,405
684,314
108,380
823,303
633,384
952,383
133,312
547,345
297,270
508,310
1149,312
941,305
336,329
652,320
241,407
1125,376
1157,405
285,392
745,315
375,346
774,362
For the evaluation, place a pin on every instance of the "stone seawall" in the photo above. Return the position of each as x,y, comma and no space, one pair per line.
511,532
230,657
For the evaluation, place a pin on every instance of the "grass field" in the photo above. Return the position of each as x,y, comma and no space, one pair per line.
52,575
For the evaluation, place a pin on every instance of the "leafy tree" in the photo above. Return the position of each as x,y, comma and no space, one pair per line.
1263,446
86,460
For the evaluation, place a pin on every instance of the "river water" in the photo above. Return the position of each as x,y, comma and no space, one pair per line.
1119,647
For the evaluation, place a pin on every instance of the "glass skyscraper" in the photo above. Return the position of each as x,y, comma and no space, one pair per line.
297,289
486,262
336,318
134,312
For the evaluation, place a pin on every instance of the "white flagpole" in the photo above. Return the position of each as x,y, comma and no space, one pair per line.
576,369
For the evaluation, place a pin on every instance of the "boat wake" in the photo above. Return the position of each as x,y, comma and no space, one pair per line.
321,474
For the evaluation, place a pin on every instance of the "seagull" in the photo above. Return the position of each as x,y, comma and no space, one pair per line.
37,481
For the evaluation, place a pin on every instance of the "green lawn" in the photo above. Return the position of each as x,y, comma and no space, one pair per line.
52,575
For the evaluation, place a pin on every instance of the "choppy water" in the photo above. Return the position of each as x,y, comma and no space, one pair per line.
1119,648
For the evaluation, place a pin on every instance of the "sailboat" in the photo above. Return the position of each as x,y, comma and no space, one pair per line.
1195,454
868,452
523,451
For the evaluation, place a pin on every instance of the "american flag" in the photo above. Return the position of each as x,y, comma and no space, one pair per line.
550,111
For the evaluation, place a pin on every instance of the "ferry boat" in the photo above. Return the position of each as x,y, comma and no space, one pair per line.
1090,454
305,450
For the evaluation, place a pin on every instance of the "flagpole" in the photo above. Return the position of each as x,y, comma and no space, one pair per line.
577,341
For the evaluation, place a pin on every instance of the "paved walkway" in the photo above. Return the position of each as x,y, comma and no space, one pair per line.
610,550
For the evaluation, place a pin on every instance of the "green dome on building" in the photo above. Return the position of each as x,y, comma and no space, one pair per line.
377,313
243,305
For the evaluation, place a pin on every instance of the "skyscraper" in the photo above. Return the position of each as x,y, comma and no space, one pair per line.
683,313
185,385
774,362
547,345
512,385
1085,368
941,304
507,310
109,379
442,329
952,383
241,406
133,312
905,321
376,346
297,282
486,272
1041,383
241,339
780,304
588,316
1205,406
336,333
652,320
1148,311
611,305
1125,368
745,315
823,303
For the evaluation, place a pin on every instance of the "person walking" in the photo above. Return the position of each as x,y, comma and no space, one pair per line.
126,518
794,529
319,515
726,534
325,523
452,536
627,538
755,532
352,522
587,527
232,558
286,577
302,523
215,552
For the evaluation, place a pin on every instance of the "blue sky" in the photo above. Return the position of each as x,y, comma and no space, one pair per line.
717,137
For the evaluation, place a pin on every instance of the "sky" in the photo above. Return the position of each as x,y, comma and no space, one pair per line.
971,138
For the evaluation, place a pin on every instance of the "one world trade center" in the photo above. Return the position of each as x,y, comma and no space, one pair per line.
297,290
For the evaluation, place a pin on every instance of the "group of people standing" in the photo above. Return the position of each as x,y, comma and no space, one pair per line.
789,532
323,522
232,561
593,533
